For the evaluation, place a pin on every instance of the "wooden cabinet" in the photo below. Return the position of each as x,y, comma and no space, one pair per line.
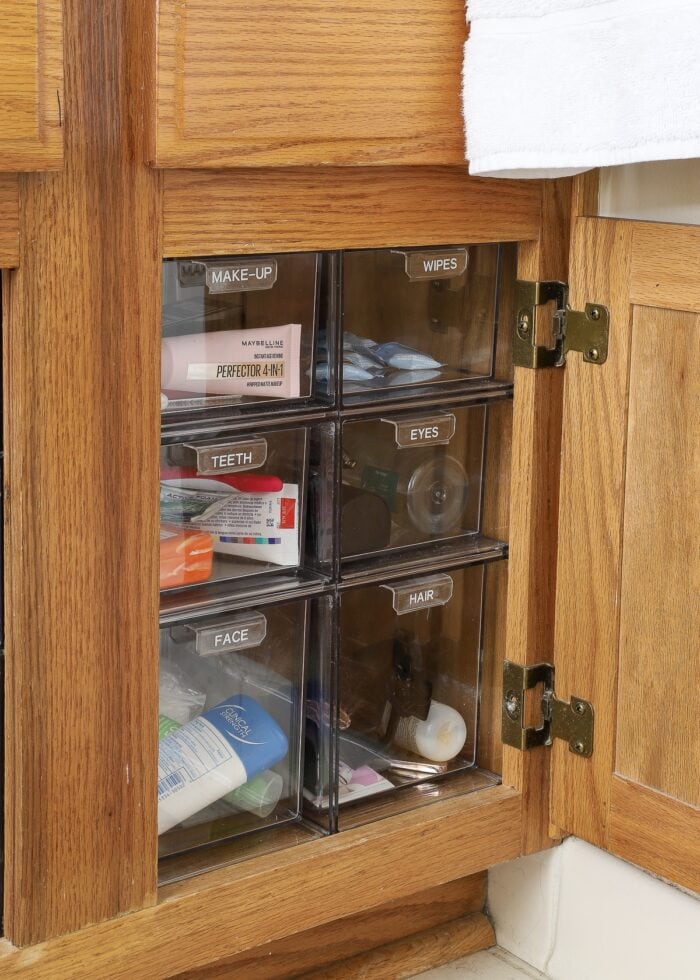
600,514
31,85
243,83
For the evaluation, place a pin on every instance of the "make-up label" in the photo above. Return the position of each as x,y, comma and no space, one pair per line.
436,264
420,593
229,457
241,276
234,633
423,430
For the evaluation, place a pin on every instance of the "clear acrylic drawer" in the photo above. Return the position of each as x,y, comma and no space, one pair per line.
412,480
237,504
240,332
417,320
232,686
408,684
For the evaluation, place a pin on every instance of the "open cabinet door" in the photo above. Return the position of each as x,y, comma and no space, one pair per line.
627,630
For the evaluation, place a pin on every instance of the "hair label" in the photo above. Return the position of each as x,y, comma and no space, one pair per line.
420,593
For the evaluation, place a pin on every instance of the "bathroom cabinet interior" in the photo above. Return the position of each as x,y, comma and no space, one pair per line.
81,338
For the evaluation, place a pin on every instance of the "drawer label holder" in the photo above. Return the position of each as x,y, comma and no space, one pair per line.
241,632
229,457
423,430
420,593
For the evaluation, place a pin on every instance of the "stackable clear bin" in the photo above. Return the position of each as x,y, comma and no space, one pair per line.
232,691
411,479
407,694
240,331
236,504
417,319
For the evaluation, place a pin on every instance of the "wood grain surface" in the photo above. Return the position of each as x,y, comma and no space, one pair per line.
628,594
81,431
272,83
590,526
534,506
290,210
660,594
318,949
31,85
655,832
216,915
9,220
404,957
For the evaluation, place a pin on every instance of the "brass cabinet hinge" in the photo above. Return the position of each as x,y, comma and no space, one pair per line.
585,331
571,720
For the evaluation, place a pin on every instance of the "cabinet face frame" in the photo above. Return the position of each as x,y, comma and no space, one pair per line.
31,85
482,829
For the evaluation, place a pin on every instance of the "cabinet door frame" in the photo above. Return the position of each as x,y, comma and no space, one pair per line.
642,271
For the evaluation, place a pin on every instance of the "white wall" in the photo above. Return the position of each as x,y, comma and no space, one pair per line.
576,912
666,191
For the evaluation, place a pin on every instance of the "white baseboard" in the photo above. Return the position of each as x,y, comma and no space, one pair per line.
577,913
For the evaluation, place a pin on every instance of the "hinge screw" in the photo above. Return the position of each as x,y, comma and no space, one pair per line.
512,704
579,707
593,354
578,747
594,313
523,325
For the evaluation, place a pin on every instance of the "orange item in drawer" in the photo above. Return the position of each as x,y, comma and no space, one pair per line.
185,556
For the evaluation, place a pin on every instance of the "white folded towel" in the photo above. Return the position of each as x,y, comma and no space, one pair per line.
554,87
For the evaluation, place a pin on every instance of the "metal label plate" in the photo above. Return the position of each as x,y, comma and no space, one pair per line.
241,276
229,457
423,430
436,264
234,633
420,593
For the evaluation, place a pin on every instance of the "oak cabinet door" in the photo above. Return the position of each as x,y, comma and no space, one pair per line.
627,634
242,83
31,80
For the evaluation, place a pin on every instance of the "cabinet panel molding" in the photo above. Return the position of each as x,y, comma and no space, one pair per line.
31,84
291,83
243,211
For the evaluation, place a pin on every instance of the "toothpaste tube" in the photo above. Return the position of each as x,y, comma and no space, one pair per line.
263,526
262,362
405,358
213,755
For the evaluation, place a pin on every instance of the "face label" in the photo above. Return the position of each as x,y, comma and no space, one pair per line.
235,633
229,457
241,276
423,430
436,264
420,593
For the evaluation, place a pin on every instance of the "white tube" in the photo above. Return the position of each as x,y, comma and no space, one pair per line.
439,738
263,362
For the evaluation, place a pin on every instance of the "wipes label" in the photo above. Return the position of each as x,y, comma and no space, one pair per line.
436,264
